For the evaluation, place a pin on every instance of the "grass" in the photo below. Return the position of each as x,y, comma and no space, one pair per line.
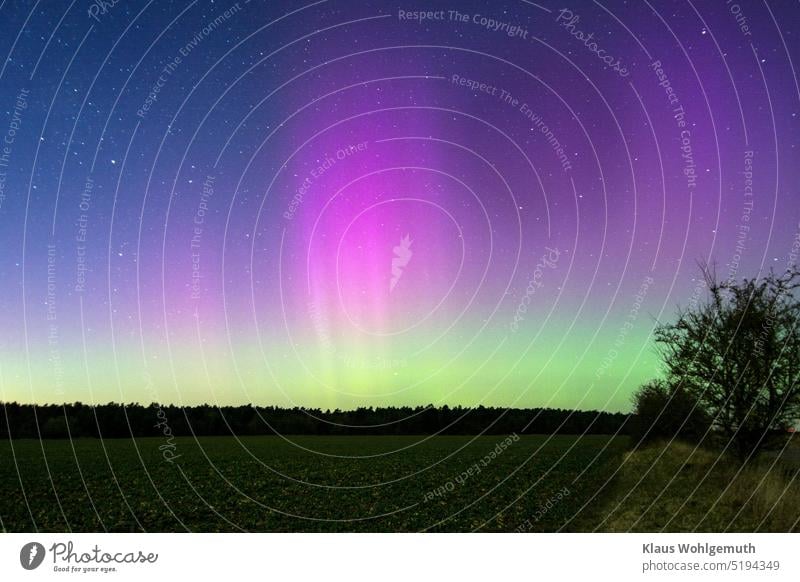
392,483
677,488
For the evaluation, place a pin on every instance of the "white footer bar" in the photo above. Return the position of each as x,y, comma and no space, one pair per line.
399,557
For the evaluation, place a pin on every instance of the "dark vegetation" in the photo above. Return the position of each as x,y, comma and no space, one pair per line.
303,483
116,420
732,368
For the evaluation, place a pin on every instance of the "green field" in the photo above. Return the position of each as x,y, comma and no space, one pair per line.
387,483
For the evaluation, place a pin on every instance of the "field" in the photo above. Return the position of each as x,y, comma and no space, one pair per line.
391,483
680,488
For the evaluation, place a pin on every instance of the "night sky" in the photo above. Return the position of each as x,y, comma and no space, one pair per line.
341,204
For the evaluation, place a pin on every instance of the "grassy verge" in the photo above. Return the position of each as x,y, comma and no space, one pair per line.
677,488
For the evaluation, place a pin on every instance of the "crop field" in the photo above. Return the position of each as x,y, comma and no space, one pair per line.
384,483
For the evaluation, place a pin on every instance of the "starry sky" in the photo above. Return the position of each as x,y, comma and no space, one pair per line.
340,204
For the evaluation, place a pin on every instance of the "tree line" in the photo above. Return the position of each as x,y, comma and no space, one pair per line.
114,420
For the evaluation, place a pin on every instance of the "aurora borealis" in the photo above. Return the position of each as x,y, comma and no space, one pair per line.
338,204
